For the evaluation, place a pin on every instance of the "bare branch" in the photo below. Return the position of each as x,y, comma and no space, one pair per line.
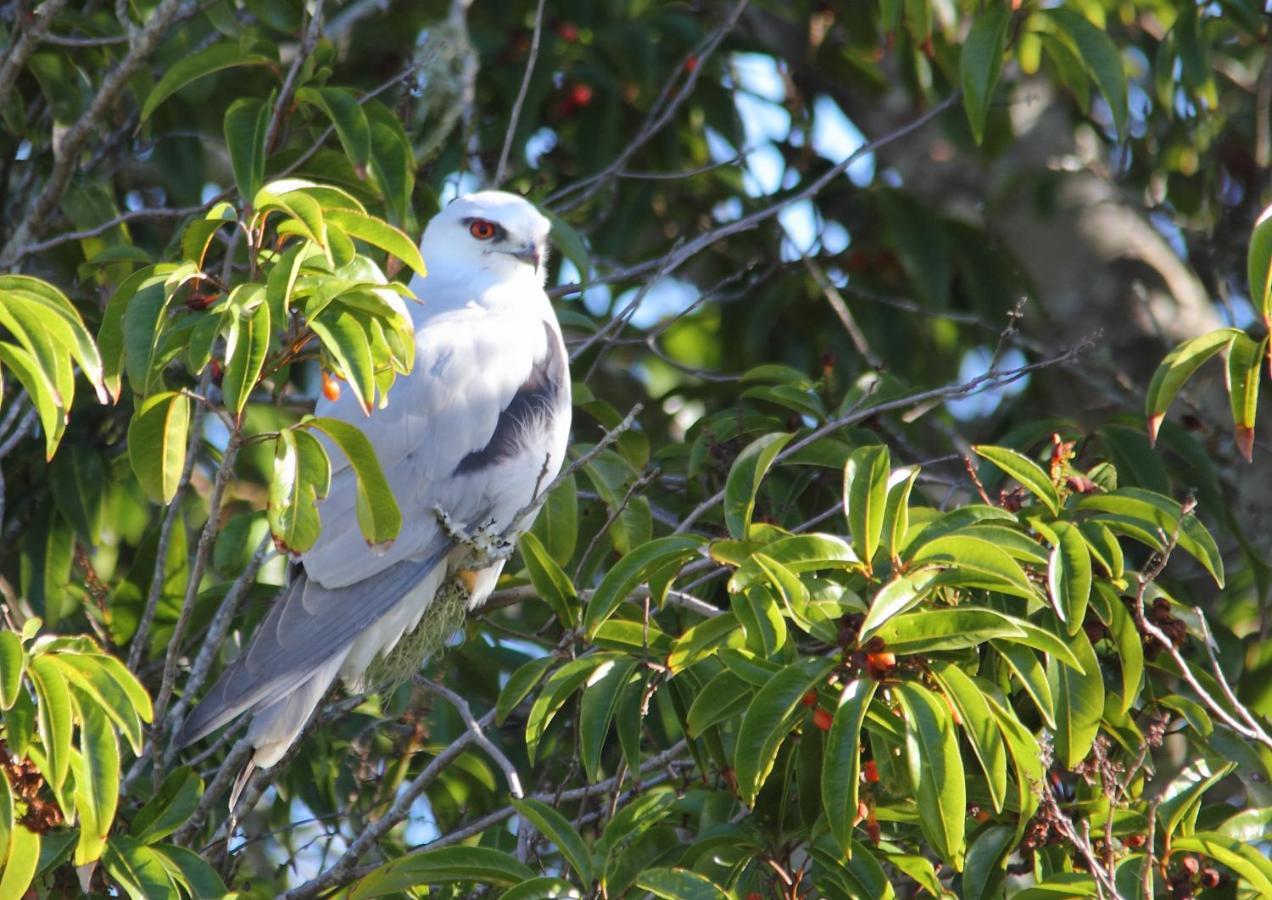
310,40
479,733
143,44
20,51
521,96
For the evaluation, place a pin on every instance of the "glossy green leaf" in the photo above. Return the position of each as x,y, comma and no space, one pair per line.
138,869
1179,802
1031,476
723,697
540,888
935,768
185,867
12,665
378,233
557,828
1243,373
169,808
560,685
341,106
53,704
1245,860
1156,515
980,62
446,865
866,497
769,718
983,872
925,631
896,513
20,864
1101,58
679,884
345,339
39,387
301,477
377,510
520,684
246,128
700,641
1079,699
1024,663
245,350
157,438
596,713
898,595
841,762
96,782
633,569
1259,266
973,561
978,724
1178,366
1069,576
745,476
549,580
197,65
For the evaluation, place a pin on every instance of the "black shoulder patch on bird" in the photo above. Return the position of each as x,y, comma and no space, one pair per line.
531,407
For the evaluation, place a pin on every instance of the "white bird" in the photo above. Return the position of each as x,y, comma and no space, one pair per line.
474,434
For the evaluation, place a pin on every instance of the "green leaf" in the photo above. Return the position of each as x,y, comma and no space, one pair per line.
1178,366
1180,801
379,233
520,684
572,245
980,62
304,212
446,865
187,868
557,524
978,724
700,641
768,720
1243,859
679,884
1153,515
341,106
557,828
12,665
1079,701
895,597
744,480
541,887
157,437
549,580
78,480
974,561
138,869
596,712
723,697
378,513
866,498
936,771
896,513
96,782
1242,377
560,685
245,350
841,762
1069,576
169,808
344,337
53,705
191,68
1031,476
301,477
1033,678
983,873
21,859
925,631
633,569
1259,266
246,129
40,388
66,326
1101,58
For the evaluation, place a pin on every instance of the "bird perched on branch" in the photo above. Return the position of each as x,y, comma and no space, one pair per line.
468,442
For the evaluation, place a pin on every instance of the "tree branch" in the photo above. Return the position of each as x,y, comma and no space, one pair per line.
521,96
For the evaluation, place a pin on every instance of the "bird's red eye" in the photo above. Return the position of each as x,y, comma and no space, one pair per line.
481,229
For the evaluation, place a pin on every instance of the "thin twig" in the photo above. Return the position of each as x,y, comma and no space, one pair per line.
521,96
283,104
21,49
479,734
137,648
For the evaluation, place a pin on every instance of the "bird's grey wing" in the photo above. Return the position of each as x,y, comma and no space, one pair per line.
460,411
306,627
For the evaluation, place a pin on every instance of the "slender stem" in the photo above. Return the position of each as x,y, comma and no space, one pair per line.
521,96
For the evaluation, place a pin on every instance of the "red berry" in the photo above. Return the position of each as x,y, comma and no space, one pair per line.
580,95
871,771
822,719
330,387
568,31
810,699
691,63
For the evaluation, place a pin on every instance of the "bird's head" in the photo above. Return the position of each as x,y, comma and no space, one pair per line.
494,231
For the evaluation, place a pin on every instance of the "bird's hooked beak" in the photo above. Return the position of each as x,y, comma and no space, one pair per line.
528,253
